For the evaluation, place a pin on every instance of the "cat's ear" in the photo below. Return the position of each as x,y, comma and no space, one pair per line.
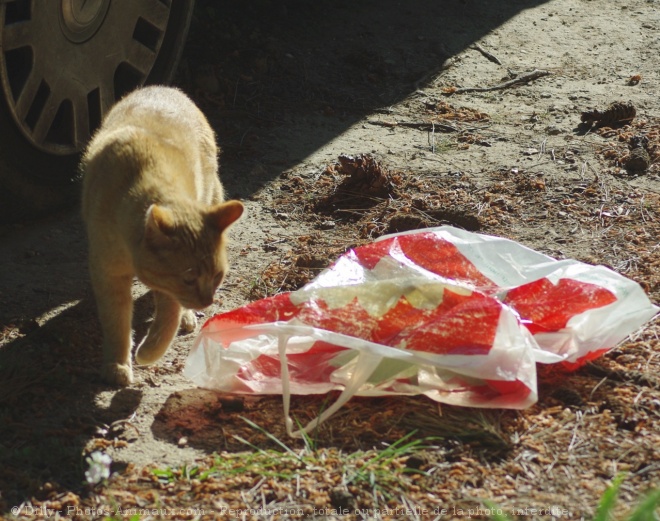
224,215
159,226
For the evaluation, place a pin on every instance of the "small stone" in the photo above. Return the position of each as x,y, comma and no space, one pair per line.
341,498
327,225
415,462
568,396
639,160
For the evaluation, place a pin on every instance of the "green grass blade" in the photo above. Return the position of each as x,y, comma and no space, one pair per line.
646,510
310,443
270,436
496,512
398,448
251,445
164,474
608,500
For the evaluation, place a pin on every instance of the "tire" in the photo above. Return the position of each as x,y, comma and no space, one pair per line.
72,60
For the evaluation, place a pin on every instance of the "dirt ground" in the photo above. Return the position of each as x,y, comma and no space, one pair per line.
474,109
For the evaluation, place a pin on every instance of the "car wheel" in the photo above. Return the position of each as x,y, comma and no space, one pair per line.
63,64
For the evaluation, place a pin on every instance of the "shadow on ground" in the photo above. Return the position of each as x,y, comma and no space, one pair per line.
279,79
49,359
47,409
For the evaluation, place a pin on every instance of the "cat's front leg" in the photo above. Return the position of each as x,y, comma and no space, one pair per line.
115,308
188,321
162,330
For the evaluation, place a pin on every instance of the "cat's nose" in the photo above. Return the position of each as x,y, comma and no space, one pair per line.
205,296
206,300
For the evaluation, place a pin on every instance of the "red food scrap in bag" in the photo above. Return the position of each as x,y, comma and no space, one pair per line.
545,306
441,257
351,319
312,366
426,250
459,328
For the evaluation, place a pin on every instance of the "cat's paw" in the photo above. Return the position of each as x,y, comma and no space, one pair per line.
117,374
188,321
147,355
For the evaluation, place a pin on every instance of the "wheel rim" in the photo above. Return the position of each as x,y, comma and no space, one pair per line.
64,63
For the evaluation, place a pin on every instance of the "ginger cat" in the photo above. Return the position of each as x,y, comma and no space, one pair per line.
153,207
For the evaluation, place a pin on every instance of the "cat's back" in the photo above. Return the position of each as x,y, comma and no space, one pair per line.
153,138
158,108
154,119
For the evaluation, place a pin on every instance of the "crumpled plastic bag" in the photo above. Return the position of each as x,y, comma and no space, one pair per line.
460,317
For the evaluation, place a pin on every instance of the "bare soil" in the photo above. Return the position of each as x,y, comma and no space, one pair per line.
440,100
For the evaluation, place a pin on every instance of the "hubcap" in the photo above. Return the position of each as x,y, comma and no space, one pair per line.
63,64
80,19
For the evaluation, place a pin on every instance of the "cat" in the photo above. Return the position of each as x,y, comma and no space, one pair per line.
153,208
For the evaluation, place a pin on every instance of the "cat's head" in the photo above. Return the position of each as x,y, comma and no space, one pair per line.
182,251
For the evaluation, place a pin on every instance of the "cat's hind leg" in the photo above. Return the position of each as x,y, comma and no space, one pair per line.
115,308
162,330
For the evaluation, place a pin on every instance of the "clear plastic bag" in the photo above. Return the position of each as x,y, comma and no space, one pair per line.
460,317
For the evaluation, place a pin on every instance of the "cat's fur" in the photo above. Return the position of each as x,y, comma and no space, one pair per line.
153,207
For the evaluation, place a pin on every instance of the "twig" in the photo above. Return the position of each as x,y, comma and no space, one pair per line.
490,56
414,124
535,74
636,377
431,138
115,425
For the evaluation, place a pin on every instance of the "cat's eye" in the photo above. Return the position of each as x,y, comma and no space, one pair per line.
189,278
